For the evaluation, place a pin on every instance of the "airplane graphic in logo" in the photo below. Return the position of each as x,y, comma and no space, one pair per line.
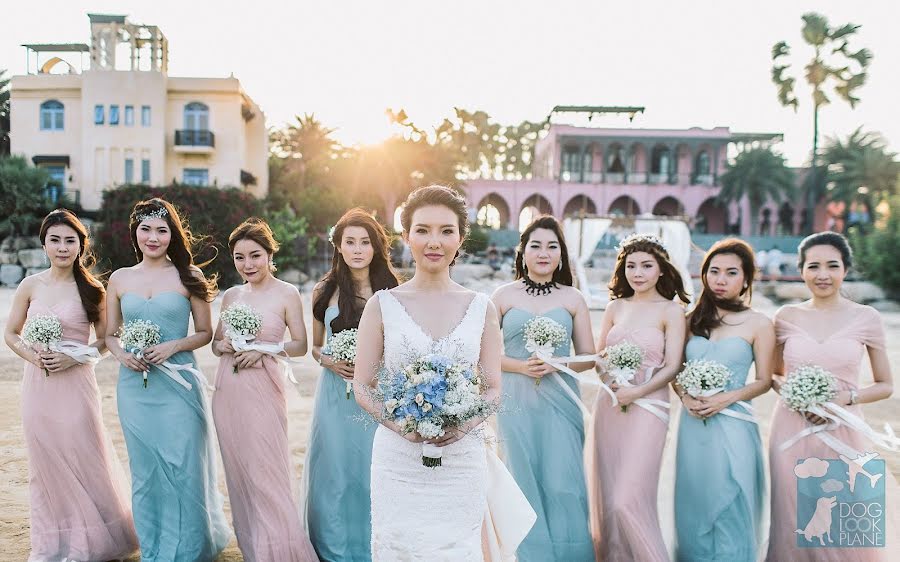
855,468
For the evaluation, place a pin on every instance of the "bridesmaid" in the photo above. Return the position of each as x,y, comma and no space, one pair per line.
834,333
340,450
719,475
627,447
78,493
177,507
250,409
542,435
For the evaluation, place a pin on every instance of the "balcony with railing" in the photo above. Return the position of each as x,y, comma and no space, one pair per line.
195,141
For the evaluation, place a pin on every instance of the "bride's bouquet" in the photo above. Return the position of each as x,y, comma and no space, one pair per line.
138,335
702,378
342,347
44,330
542,336
623,360
431,395
242,323
807,387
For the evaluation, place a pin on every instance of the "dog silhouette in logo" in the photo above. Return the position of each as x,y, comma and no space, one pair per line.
819,524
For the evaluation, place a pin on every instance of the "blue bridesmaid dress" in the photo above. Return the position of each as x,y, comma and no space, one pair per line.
719,477
542,440
176,503
340,457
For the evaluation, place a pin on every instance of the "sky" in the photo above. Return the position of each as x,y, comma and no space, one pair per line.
693,63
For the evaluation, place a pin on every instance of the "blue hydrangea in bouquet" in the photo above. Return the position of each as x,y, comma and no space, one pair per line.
431,395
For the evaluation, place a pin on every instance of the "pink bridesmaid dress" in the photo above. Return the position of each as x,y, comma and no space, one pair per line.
250,413
79,497
623,475
841,354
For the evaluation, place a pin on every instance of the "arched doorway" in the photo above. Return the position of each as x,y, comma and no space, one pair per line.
712,217
668,207
493,212
578,205
624,205
533,207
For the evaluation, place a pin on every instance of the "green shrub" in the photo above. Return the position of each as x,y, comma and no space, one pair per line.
211,212
23,200
876,251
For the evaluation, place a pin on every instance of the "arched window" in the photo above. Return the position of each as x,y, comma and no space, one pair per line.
702,164
196,116
52,113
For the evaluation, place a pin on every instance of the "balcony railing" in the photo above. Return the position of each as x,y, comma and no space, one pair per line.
195,137
636,178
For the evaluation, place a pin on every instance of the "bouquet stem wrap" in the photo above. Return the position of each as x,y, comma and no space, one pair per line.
431,455
746,415
173,371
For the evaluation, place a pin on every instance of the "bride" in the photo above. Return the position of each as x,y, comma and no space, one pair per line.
421,513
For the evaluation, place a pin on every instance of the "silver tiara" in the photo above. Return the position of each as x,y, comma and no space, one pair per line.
652,239
157,213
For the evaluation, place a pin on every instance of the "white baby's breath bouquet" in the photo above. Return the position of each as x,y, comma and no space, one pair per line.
542,336
807,387
623,360
242,323
137,335
44,330
342,347
703,378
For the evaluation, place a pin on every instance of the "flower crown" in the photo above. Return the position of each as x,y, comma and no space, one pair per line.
634,238
331,234
157,213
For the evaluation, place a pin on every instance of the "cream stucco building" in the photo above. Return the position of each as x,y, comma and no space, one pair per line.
124,120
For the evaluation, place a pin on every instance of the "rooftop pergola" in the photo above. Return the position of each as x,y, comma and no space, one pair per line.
38,48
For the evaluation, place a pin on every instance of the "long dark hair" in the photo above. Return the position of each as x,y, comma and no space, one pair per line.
90,289
180,246
339,277
705,316
561,275
669,283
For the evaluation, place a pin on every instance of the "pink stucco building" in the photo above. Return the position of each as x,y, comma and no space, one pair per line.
673,172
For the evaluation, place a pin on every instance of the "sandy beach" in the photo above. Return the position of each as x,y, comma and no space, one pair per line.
14,511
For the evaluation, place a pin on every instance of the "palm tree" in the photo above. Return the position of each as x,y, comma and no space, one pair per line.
4,114
833,63
861,166
759,175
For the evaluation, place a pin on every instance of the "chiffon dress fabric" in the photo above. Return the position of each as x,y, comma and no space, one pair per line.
841,354
168,432
541,434
77,489
624,463
250,413
720,479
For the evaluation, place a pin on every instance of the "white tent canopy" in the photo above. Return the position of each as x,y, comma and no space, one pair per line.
583,235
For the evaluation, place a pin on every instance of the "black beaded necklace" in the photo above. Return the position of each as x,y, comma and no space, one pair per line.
535,289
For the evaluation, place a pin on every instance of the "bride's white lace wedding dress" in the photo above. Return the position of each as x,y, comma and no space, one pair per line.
421,513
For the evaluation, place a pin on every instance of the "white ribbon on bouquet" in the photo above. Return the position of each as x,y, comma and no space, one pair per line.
173,371
653,405
242,342
84,354
837,416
